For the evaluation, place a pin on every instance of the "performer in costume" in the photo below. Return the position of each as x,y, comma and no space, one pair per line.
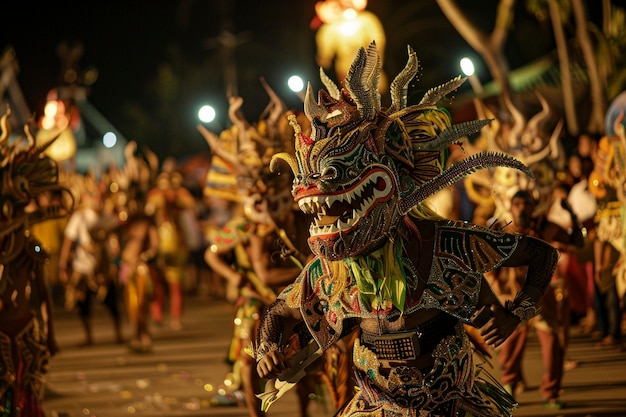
30,194
170,202
84,265
607,184
388,265
134,235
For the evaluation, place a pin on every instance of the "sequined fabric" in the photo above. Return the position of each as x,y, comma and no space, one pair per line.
446,390
452,286
23,361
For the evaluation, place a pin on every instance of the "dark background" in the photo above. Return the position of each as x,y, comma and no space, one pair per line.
158,60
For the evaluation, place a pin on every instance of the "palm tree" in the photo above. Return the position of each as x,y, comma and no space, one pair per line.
490,47
596,85
558,12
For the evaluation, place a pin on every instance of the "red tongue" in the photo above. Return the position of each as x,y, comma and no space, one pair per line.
337,210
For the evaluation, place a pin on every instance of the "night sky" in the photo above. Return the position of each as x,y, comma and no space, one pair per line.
130,42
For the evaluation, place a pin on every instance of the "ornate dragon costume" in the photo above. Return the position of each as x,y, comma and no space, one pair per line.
30,193
386,263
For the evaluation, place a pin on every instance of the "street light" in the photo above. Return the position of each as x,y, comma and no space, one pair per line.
206,114
296,84
109,139
467,66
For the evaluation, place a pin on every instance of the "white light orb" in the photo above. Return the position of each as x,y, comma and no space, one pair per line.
467,66
295,83
109,139
206,114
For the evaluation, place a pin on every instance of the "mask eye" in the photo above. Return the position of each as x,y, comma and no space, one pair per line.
329,174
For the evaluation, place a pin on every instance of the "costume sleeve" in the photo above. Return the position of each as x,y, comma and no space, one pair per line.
272,328
544,258
541,259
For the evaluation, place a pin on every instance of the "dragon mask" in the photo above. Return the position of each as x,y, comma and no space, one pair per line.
364,168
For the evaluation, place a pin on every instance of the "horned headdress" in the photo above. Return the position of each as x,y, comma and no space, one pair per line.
414,136
364,167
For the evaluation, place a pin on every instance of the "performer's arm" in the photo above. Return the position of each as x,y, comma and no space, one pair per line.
495,322
268,275
541,259
277,318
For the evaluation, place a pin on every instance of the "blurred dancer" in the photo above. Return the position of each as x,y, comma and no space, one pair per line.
170,202
84,264
607,185
137,239
262,248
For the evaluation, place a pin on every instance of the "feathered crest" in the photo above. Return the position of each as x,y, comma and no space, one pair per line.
362,81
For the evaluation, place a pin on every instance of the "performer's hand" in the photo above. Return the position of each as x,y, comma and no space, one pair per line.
272,365
499,326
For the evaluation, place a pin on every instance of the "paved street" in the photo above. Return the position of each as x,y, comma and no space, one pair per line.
181,374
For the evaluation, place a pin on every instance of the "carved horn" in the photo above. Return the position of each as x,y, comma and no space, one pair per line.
330,85
399,85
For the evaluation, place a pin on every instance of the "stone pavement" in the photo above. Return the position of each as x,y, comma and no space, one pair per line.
181,374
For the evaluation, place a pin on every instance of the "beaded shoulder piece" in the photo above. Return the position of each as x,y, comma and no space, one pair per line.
462,253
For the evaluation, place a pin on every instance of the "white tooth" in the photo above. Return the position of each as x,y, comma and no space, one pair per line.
334,114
